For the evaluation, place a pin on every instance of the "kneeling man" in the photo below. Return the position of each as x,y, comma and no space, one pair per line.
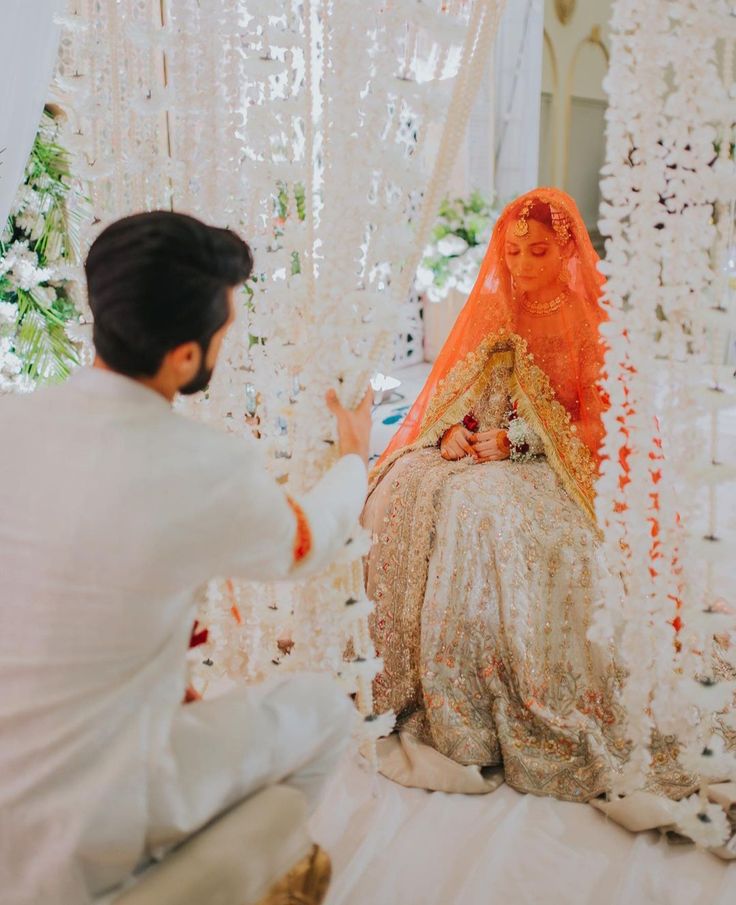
115,510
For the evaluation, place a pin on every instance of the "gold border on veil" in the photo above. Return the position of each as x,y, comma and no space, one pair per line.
535,399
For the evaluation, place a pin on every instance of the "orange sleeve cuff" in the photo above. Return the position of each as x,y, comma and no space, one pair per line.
303,537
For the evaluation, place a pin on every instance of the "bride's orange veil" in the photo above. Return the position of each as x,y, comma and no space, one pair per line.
559,355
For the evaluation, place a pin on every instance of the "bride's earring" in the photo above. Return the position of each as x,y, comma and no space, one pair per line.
565,274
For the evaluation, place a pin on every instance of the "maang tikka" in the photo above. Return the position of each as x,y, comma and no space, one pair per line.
560,223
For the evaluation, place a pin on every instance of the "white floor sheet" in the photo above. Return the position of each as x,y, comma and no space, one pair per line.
396,846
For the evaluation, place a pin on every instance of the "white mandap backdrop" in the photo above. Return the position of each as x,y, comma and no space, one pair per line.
304,125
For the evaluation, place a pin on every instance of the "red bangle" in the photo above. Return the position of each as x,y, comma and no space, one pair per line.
502,440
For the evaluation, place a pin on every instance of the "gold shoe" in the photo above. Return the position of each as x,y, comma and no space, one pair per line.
305,884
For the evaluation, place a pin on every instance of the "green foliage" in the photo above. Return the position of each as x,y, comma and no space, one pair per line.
37,248
289,201
468,219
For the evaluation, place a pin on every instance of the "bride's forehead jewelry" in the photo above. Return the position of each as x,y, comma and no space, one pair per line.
560,223
521,227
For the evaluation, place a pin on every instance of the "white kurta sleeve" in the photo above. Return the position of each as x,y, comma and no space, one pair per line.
271,536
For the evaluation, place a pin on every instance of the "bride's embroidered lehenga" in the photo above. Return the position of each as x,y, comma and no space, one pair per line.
484,574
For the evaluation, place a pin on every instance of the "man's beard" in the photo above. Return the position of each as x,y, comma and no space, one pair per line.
200,381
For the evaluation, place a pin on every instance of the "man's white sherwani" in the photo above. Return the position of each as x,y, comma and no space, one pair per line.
114,511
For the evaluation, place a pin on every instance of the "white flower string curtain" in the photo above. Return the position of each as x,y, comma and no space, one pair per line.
669,186
303,125
343,263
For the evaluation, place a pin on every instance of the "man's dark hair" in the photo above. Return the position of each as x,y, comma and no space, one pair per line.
157,280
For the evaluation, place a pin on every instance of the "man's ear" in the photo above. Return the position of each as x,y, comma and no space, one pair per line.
184,360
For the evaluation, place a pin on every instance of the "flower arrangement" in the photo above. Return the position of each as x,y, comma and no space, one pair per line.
522,441
665,536
459,241
521,438
38,253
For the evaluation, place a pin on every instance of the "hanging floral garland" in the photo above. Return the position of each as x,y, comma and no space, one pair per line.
669,164
39,299
301,124
361,171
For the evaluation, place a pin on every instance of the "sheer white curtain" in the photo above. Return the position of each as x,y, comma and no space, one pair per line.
517,89
28,45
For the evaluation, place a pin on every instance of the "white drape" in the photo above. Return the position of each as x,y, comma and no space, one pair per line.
517,88
29,41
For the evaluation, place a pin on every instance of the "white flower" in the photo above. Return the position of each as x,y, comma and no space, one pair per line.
451,245
424,278
66,272
465,283
10,364
49,130
435,294
79,333
520,432
25,221
21,266
710,760
705,823
464,269
8,317
27,201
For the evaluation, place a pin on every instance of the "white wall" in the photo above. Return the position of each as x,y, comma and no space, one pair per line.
501,148
557,138
517,85
28,44
572,130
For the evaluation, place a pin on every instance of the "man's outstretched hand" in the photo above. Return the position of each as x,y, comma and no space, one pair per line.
353,427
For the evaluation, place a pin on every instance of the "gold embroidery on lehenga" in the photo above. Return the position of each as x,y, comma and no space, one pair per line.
483,578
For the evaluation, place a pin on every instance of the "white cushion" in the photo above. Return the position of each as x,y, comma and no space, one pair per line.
232,861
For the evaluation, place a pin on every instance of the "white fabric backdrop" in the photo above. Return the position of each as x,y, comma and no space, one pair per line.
29,40
517,84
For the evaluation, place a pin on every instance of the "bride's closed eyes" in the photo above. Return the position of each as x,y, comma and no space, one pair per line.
538,251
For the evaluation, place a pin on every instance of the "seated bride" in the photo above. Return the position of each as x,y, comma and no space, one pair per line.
486,560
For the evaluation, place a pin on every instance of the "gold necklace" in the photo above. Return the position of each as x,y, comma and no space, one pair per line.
538,309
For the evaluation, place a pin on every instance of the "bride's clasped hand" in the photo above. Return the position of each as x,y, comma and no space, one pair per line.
483,446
